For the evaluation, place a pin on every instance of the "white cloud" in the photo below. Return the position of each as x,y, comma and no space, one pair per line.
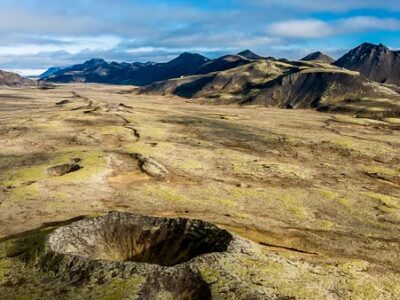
72,45
27,72
309,28
327,5
41,33
313,28
362,23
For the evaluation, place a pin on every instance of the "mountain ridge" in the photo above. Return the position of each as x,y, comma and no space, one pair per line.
98,70
376,62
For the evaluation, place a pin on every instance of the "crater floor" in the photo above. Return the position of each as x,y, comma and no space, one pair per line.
318,193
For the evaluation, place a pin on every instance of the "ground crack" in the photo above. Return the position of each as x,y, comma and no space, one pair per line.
287,248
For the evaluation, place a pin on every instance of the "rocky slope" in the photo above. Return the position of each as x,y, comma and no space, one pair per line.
217,84
376,62
285,85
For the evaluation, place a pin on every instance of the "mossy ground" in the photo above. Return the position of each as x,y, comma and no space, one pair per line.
295,180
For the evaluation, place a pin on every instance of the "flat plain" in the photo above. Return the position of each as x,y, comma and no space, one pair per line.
317,192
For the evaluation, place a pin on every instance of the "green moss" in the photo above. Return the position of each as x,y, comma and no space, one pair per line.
324,224
293,205
29,243
362,290
25,183
115,289
353,266
381,170
5,267
16,177
329,70
384,199
345,202
328,194
395,121
166,193
95,164
388,210
24,297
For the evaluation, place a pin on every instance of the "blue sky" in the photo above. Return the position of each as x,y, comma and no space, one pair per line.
37,34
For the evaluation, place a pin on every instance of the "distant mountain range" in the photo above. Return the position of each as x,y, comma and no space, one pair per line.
99,71
365,81
375,62
311,82
358,79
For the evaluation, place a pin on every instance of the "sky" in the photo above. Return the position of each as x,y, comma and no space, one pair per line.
38,34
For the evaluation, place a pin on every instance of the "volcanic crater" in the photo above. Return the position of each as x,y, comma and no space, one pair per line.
133,238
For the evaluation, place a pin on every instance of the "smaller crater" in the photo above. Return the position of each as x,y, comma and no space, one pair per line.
152,167
63,169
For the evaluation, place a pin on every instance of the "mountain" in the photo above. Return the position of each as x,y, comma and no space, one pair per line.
184,64
216,84
98,70
376,62
193,59
249,55
223,63
14,80
318,56
50,71
93,63
286,85
94,70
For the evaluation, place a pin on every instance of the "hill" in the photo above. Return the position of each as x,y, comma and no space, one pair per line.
286,85
318,56
249,55
13,79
